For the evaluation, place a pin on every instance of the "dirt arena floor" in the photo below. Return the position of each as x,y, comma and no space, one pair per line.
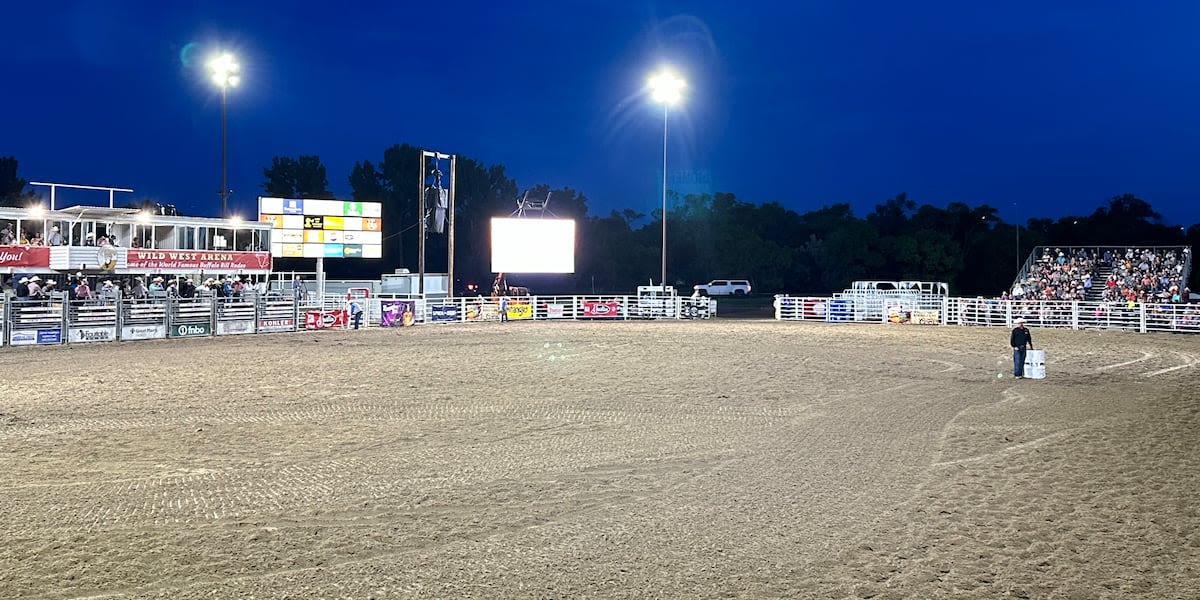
726,458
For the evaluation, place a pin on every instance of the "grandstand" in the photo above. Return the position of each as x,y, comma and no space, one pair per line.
1104,274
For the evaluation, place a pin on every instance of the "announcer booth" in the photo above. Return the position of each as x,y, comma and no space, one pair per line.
109,242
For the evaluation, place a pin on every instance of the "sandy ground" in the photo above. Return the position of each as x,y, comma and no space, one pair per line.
751,459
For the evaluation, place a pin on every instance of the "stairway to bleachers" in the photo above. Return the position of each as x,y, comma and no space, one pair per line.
1096,293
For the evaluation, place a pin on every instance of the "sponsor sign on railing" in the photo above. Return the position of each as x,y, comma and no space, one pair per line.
610,309
397,313
92,334
325,319
191,330
30,337
519,309
268,325
443,313
25,256
144,332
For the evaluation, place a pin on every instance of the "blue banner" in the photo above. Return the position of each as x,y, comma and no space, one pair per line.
443,313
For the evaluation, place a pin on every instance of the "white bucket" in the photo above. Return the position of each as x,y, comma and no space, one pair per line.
1035,364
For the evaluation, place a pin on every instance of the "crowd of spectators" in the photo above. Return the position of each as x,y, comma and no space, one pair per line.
1057,275
1147,275
1136,275
79,288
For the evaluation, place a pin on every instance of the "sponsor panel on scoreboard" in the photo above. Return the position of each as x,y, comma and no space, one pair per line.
309,228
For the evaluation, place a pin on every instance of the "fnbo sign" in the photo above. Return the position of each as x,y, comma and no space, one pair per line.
191,330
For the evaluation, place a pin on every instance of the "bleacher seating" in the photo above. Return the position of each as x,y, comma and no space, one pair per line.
1105,274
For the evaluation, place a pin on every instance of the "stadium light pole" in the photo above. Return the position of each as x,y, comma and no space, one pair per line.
224,70
666,88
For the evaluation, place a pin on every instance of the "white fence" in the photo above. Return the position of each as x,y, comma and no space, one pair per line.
941,310
58,320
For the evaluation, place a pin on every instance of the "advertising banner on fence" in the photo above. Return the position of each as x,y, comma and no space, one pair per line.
190,330
235,327
602,310
922,316
443,313
197,260
839,311
143,332
29,337
483,311
554,311
518,309
92,334
814,308
897,311
396,313
282,324
325,319
25,256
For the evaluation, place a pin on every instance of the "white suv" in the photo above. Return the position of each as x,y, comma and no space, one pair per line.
723,287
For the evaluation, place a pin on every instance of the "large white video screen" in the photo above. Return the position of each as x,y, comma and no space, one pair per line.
533,245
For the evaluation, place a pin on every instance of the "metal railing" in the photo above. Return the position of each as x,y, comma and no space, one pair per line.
59,320
1142,317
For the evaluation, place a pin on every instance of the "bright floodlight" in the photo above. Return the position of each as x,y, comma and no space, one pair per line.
237,221
666,87
224,70
142,217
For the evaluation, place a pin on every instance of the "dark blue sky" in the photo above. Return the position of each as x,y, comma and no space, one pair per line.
1041,109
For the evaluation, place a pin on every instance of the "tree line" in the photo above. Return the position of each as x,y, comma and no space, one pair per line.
709,235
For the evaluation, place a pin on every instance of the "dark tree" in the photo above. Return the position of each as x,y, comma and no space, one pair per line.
12,187
303,177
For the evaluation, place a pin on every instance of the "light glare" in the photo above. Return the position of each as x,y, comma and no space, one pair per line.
666,87
224,70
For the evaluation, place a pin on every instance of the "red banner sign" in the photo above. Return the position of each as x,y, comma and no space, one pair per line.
325,319
25,256
602,310
197,260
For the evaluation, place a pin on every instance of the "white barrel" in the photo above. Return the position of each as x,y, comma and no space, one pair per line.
1035,364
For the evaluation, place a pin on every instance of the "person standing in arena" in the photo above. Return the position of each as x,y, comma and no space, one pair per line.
1020,340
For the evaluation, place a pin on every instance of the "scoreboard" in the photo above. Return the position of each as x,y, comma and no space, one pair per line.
305,228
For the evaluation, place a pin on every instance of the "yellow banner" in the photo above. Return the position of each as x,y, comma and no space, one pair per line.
520,310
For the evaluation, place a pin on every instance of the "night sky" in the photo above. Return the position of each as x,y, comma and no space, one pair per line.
1041,109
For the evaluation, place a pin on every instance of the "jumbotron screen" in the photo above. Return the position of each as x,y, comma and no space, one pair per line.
533,245
302,228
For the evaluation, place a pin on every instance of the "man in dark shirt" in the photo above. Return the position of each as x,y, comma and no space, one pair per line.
1020,340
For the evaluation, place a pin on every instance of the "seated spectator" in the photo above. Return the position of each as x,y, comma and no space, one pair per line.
83,291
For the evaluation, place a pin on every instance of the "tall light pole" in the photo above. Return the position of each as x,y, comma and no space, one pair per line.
666,88
224,70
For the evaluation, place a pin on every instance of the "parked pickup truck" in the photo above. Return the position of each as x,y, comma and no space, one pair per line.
723,287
